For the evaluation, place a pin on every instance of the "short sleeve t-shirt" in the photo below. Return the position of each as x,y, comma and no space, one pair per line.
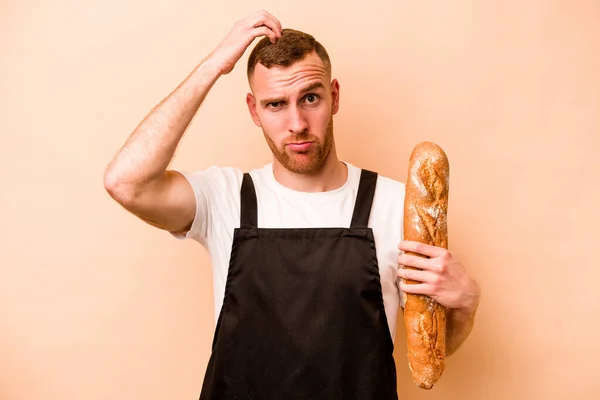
217,192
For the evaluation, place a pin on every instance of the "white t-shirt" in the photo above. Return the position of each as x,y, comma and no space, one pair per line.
217,191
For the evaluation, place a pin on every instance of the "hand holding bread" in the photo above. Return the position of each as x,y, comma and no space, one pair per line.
439,274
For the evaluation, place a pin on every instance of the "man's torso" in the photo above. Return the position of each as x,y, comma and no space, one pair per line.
217,191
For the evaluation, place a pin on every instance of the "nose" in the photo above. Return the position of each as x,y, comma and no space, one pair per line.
297,121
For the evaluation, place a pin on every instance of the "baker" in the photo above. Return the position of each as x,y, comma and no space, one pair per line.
304,250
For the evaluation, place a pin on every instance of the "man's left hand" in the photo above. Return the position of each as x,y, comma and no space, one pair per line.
441,276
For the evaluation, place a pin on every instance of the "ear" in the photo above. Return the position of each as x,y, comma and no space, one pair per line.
335,96
251,102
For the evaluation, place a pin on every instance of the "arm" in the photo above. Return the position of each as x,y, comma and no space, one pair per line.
443,278
459,322
137,177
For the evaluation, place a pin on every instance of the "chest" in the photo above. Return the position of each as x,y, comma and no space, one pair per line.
278,211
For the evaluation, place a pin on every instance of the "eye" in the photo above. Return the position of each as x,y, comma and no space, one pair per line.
274,104
311,98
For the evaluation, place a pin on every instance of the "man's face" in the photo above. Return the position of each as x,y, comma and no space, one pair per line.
294,106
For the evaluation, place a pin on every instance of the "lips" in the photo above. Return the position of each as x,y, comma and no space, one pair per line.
300,146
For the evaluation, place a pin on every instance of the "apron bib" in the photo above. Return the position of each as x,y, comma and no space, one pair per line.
303,315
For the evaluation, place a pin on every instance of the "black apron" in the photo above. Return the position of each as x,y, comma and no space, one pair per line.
303,315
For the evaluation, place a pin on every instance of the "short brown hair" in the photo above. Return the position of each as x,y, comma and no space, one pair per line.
292,46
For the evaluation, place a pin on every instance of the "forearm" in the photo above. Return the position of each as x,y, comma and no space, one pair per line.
459,323
151,146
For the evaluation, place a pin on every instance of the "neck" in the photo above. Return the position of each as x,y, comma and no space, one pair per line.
331,176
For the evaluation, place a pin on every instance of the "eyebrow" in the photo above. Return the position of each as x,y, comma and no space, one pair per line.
311,87
316,85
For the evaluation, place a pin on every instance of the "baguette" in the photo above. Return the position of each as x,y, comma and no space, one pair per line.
425,212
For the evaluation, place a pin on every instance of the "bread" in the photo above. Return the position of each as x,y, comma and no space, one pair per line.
425,212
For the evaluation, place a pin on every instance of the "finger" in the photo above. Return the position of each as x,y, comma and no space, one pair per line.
260,26
415,275
255,16
265,31
264,18
421,248
416,288
279,27
255,20
276,25
409,260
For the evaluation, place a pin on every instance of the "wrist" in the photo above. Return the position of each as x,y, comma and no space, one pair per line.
211,66
204,75
471,299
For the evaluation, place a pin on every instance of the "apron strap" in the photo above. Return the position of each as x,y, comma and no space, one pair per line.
249,209
362,206
364,199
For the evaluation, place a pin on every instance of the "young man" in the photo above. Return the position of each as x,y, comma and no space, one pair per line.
305,249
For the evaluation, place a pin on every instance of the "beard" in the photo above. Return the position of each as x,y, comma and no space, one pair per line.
303,162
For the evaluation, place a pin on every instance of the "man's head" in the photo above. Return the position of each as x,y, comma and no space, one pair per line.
293,100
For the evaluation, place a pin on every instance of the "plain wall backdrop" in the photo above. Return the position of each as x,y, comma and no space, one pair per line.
96,304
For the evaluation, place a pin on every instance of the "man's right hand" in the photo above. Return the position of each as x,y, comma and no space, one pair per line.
243,33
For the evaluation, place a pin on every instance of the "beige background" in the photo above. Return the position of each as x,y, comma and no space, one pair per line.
95,304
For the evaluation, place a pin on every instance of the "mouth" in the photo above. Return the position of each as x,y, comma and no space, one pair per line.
299,146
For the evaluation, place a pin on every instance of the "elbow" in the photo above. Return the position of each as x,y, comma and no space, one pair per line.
122,192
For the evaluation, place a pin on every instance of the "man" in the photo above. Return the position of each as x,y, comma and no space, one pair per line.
305,249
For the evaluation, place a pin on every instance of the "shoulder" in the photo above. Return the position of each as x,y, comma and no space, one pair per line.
388,200
216,177
386,188
390,187
262,175
221,181
217,197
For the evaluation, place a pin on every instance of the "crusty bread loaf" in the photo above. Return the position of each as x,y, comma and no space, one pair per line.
425,211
